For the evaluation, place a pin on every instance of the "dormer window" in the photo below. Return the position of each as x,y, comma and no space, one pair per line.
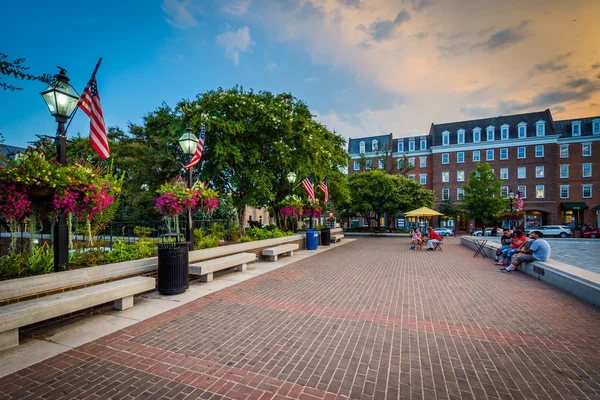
540,128
596,126
362,148
460,136
423,144
504,132
522,129
476,135
490,133
445,138
401,147
411,145
374,145
576,128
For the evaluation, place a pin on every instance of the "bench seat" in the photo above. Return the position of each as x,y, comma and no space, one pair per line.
24,313
337,237
272,252
206,268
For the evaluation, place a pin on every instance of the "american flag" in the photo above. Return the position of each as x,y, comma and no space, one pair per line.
198,154
89,102
323,187
520,205
307,184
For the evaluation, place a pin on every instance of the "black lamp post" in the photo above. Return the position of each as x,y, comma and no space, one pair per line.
291,177
61,99
188,142
511,196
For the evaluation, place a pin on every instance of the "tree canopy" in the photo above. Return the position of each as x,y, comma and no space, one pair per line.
17,70
482,200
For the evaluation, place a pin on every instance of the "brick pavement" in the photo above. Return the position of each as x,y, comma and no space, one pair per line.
368,320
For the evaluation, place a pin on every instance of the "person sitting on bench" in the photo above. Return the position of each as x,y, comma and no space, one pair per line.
434,238
538,251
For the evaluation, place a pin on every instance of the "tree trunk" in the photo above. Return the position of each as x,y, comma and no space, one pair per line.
242,218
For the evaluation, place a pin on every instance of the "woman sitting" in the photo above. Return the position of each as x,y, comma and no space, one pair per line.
518,241
416,239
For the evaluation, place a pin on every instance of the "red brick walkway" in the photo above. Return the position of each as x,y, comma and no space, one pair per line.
370,319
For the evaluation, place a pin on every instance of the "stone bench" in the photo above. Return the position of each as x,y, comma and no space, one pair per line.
15,316
272,252
337,234
206,268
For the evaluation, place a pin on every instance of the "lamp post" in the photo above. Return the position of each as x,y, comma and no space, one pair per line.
61,99
188,142
291,177
511,196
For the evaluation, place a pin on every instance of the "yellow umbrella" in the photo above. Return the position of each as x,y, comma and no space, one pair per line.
422,212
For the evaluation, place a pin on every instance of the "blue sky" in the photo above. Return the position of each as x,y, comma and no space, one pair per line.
365,67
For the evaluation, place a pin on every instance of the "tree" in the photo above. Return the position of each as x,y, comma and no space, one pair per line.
17,69
449,209
482,199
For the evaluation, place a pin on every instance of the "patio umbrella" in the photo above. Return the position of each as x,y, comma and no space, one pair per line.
422,212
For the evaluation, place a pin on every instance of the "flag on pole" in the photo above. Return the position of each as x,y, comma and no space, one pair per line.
520,204
323,187
198,154
307,184
89,102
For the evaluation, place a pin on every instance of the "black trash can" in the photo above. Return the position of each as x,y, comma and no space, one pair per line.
325,237
173,266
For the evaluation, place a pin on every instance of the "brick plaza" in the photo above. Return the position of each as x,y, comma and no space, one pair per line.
367,320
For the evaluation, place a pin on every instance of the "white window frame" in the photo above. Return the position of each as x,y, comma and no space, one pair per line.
478,158
411,162
539,188
504,132
401,146
578,125
565,168
564,147
560,191
447,157
422,162
445,176
380,163
445,194
596,126
583,167
583,147
458,176
459,155
476,135
487,155
445,138
524,152
365,221
583,189
504,174
423,179
522,191
540,168
490,133
540,132
412,177
522,130
523,175
368,164
460,136
411,145
504,150
504,191
375,145
538,147
460,194
362,148
400,163
356,165
423,144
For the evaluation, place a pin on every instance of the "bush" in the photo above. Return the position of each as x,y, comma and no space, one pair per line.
143,231
268,232
206,241
23,264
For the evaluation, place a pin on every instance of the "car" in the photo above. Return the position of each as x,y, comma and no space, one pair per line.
488,232
443,231
591,234
553,230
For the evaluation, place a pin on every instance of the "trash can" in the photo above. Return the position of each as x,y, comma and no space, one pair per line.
325,236
312,239
173,266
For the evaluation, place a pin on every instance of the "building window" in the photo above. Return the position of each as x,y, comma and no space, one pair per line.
539,191
445,138
369,164
504,154
586,149
596,126
521,152
564,191
540,128
504,132
411,177
564,151
445,194
460,136
380,163
490,133
539,171
539,150
460,176
503,173
445,176
460,194
476,135
476,156
522,191
587,191
460,157
356,166
411,162
423,162
423,144
362,148
411,145
503,191
400,163
522,128
445,158
489,155
522,173
587,170
400,147
423,179
374,145
576,128
564,171
365,222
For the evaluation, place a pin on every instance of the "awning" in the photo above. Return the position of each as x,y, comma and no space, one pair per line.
597,208
576,206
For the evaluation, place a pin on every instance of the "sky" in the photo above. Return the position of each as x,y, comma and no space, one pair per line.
364,67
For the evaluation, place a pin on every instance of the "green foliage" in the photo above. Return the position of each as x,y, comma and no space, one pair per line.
16,68
40,262
268,232
122,251
482,199
203,240
217,230
143,231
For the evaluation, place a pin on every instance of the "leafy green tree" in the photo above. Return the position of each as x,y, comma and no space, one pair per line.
482,199
449,209
17,70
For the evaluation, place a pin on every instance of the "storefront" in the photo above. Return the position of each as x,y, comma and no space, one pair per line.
573,213
597,211
533,220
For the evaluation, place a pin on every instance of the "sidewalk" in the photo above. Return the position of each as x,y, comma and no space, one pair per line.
369,319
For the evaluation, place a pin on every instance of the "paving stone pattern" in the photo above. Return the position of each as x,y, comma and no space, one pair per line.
368,320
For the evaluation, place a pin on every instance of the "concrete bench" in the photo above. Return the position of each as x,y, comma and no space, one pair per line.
15,316
272,252
337,234
206,268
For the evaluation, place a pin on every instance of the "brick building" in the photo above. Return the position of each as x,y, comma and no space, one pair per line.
554,165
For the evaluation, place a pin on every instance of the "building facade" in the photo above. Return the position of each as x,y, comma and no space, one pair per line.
554,165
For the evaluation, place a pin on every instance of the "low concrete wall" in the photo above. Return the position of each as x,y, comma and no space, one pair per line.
15,290
577,281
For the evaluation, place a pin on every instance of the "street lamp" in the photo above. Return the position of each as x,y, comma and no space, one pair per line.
291,177
511,196
188,142
61,99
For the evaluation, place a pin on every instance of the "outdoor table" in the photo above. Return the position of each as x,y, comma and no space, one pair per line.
480,243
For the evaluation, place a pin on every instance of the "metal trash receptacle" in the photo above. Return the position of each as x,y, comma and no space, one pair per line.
173,266
325,236
312,239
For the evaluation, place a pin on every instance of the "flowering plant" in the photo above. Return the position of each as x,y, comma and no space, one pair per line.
291,206
175,197
512,215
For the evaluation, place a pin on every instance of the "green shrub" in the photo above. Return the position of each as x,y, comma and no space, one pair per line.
143,231
205,241
22,265
268,232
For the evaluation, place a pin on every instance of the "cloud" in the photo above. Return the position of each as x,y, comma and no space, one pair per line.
504,38
386,29
577,83
596,65
235,42
271,66
422,35
419,5
311,79
558,109
554,64
236,7
180,13
350,3
477,111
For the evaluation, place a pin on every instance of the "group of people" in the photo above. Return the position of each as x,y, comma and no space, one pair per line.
417,238
515,243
